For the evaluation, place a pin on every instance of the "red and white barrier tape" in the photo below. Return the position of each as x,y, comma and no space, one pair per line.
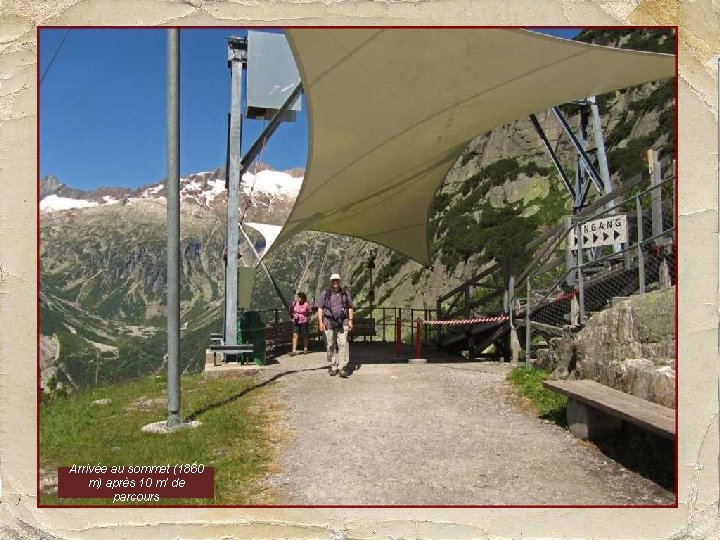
566,296
466,321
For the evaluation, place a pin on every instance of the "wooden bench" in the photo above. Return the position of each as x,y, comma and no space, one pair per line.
243,348
281,333
594,410
278,333
363,328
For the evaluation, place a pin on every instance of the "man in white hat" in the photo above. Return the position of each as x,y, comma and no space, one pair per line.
335,319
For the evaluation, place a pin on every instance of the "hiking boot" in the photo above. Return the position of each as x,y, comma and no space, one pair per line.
333,372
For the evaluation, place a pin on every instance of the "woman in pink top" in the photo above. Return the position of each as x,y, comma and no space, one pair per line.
300,312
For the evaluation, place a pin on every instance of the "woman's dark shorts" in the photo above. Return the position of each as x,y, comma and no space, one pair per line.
301,329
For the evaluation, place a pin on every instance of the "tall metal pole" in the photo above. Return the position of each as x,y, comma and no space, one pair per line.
569,259
580,280
602,158
589,167
371,295
528,337
237,49
580,168
553,155
371,267
656,197
274,123
641,257
600,149
173,226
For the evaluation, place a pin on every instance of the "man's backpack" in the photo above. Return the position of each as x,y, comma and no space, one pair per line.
326,308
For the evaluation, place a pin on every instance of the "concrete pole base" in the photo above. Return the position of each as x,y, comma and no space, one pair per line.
514,346
574,311
164,427
664,275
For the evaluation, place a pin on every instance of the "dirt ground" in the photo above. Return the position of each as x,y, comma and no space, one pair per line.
442,433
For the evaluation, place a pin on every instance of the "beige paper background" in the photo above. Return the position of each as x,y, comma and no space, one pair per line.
697,515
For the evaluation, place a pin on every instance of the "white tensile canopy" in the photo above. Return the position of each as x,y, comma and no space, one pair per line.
391,110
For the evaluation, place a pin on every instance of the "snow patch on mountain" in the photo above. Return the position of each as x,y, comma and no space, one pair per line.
216,188
151,191
54,203
202,188
272,182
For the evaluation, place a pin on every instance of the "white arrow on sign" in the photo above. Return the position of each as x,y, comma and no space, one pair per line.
601,232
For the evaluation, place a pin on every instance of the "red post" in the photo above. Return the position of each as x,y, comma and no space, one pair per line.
418,338
398,330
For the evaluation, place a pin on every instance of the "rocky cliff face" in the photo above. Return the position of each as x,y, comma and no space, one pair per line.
629,347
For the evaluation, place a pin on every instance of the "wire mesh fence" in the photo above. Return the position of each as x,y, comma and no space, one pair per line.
597,270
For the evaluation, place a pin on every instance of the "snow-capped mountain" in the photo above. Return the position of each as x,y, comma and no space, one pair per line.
103,268
207,189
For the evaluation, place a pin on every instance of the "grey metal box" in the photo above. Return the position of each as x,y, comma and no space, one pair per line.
271,75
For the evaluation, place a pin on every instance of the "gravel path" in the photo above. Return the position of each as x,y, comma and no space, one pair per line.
434,434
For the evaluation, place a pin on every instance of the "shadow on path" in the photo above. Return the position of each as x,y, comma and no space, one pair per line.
194,415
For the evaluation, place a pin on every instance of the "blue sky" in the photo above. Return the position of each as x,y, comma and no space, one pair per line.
102,106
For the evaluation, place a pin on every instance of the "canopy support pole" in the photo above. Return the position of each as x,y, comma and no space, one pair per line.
553,155
585,159
237,55
262,264
275,121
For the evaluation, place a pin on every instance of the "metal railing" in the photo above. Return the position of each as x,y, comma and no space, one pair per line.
562,291
563,283
385,321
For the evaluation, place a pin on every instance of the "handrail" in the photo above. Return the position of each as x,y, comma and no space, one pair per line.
586,214
460,288
546,258
558,230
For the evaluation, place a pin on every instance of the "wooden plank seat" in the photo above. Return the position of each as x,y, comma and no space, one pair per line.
595,410
363,327
280,333
243,348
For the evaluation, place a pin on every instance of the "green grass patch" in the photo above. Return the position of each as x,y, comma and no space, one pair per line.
528,383
231,438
